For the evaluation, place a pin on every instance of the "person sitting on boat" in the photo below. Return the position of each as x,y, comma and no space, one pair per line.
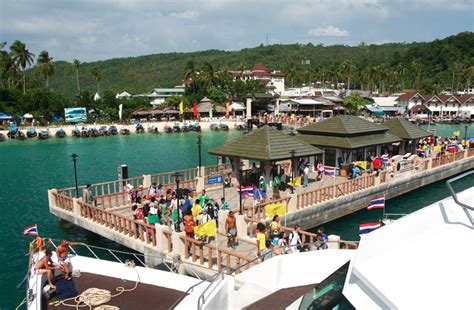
45,266
62,252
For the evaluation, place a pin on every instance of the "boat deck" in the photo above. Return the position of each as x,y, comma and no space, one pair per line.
281,298
145,295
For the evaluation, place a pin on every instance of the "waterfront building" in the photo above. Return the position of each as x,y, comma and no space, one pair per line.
123,94
389,105
158,95
207,108
346,138
409,132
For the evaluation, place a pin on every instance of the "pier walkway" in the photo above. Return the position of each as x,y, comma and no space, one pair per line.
322,201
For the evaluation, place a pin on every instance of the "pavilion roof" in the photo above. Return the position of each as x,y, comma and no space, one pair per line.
343,125
404,129
265,144
353,142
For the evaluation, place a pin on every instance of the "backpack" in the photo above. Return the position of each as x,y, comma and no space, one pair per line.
188,224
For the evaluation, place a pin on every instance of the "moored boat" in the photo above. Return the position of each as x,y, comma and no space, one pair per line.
76,132
195,126
140,129
185,127
20,135
152,129
12,132
239,127
223,127
31,132
2,137
43,134
124,131
94,132
214,127
103,131
113,130
85,133
168,129
60,133
176,127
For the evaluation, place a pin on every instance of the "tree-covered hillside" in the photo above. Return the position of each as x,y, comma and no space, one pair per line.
407,65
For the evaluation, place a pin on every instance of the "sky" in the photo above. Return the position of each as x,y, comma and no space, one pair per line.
91,30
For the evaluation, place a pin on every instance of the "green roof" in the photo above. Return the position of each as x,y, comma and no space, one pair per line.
404,129
343,125
353,142
265,144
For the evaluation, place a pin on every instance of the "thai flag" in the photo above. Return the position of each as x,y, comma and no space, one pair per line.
366,228
31,231
247,191
377,203
330,171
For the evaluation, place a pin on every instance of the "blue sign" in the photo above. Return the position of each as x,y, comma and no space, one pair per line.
214,180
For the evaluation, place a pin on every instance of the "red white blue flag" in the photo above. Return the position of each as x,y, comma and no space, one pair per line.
366,228
377,203
330,171
31,231
247,191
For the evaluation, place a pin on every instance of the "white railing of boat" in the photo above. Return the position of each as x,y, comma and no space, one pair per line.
465,207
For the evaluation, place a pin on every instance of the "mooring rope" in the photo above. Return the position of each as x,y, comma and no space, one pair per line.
95,296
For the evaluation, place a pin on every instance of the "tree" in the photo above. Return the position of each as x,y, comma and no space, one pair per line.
416,66
97,77
76,65
45,66
22,58
354,103
208,75
290,72
347,67
189,72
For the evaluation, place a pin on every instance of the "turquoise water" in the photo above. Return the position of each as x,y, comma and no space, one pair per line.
28,168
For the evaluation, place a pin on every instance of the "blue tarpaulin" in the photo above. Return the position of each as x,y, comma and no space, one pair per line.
4,116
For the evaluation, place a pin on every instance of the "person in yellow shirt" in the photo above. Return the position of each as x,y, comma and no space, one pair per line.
197,210
261,239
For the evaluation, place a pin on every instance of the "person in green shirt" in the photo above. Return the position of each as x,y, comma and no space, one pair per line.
203,198
164,212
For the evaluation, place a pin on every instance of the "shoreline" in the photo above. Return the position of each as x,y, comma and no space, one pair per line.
205,126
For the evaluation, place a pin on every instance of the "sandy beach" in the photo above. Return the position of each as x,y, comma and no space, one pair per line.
205,125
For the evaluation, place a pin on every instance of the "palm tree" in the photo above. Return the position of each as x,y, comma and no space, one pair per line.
189,72
401,72
290,72
416,66
45,66
208,74
76,65
22,58
347,67
97,77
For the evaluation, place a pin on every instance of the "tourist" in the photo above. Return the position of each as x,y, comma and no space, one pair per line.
279,243
205,217
213,210
173,202
224,204
153,190
202,198
87,195
189,224
261,239
355,171
45,265
320,169
276,186
176,217
196,210
164,212
322,239
256,195
137,216
253,173
376,164
159,191
62,253
275,226
231,229
305,175
128,191
152,213
262,186
140,194
294,240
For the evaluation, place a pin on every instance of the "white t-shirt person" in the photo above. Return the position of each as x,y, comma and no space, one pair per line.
294,240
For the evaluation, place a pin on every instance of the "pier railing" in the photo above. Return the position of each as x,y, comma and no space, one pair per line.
62,201
206,253
167,178
105,188
323,194
257,212
216,170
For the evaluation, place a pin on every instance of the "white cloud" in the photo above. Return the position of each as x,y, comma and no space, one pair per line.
185,14
328,31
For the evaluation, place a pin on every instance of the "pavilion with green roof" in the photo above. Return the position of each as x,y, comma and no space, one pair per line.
409,132
268,146
346,138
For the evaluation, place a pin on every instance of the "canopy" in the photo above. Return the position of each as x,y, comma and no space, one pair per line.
265,144
374,110
28,115
237,106
4,116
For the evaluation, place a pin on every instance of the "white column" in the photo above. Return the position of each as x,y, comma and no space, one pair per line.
51,200
161,240
146,181
178,244
277,106
76,207
249,108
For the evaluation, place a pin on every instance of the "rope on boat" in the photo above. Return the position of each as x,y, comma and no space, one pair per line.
21,304
93,297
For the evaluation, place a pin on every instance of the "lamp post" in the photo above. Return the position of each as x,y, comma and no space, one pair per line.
240,187
199,143
177,176
74,160
292,152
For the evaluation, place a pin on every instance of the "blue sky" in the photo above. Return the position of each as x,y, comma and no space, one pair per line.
101,29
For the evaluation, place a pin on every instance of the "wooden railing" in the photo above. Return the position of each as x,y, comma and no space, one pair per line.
470,152
106,188
64,202
120,224
205,253
327,193
167,178
257,212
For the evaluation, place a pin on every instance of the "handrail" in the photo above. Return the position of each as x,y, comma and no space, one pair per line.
455,197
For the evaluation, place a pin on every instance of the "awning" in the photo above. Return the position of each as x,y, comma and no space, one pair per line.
4,116
28,115
374,110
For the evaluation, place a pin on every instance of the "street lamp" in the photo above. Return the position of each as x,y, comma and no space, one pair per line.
177,176
74,160
240,186
292,152
199,143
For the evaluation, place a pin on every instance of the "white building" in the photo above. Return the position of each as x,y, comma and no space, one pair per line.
159,95
274,80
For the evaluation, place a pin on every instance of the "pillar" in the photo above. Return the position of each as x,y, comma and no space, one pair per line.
241,226
277,106
178,244
161,240
76,207
249,107
51,200
146,181
333,242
